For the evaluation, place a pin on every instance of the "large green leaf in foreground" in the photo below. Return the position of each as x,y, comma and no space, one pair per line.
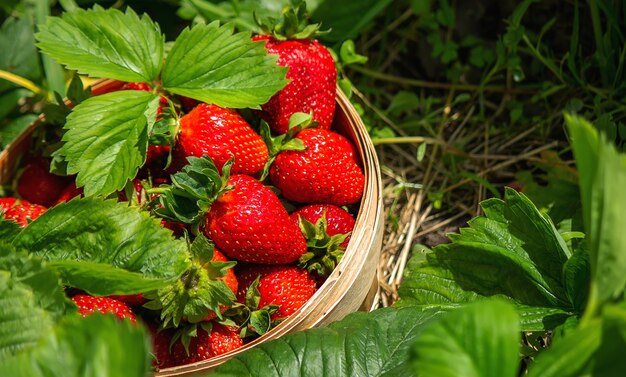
105,43
107,139
602,181
105,247
94,346
363,344
31,300
212,64
479,340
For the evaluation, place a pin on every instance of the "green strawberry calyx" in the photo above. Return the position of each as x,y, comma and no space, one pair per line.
287,141
192,191
324,251
251,319
292,24
198,291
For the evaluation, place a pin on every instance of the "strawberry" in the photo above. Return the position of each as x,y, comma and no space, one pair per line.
217,340
187,103
37,185
249,223
312,73
220,134
161,340
70,191
89,304
20,211
337,220
287,286
130,300
325,172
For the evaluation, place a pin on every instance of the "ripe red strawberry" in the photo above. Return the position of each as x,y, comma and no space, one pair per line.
187,103
249,223
326,172
204,346
37,185
130,300
88,304
313,82
338,220
220,134
287,286
20,211
311,70
70,191
161,339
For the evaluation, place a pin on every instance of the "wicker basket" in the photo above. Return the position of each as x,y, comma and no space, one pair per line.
352,284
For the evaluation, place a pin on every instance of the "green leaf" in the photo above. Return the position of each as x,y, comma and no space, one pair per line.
513,250
363,344
8,231
212,64
84,235
602,180
11,130
342,20
97,345
54,73
481,339
105,43
110,280
348,54
577,278
9,100
107,139
19,55
569,356
31,300
429,285
536,318
76,91
240,13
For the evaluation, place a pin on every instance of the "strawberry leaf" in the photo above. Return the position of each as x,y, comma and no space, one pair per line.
8,230
105,43
513,250
31,300
481,339
106,139
363,344
97,345
116,241
212,64
110,280
602,172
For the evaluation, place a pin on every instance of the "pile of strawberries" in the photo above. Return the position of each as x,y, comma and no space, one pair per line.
274,196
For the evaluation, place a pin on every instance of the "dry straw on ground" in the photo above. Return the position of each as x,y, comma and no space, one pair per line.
411,217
